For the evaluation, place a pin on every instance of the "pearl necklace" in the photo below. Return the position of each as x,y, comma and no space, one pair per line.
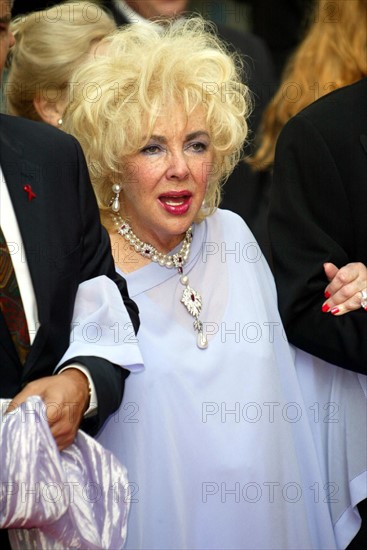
191,299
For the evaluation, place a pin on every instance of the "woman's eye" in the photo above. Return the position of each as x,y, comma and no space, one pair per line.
198,147
151,150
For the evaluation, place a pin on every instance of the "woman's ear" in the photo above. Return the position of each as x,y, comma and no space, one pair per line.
48,111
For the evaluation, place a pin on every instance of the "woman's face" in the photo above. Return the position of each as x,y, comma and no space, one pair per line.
166,181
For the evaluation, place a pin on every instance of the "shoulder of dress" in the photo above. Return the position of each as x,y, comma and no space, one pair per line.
230,222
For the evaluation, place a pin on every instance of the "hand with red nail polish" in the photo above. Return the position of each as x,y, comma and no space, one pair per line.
343,293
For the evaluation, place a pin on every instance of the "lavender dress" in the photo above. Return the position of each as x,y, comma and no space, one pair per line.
219,444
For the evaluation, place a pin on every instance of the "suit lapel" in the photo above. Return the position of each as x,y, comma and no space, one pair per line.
21,175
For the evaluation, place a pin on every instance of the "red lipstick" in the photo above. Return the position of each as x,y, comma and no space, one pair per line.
176,202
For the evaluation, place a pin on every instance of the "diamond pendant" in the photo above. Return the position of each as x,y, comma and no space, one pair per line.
193,302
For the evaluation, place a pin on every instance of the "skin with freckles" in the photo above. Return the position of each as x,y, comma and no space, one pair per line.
165,182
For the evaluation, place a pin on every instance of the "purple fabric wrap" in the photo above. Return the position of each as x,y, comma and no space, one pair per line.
74,499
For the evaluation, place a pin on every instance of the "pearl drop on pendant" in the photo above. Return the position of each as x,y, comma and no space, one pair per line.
202,341
184,280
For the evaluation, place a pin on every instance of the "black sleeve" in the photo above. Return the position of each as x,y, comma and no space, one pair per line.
311,223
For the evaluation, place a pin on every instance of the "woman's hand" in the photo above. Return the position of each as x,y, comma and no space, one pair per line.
65,397
347,288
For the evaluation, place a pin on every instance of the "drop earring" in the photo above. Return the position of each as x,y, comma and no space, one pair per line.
115,201
59,122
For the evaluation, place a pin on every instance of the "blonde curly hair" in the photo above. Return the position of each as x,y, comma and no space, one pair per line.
49,44
139,70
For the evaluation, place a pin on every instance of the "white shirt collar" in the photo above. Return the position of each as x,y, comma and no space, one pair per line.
131,15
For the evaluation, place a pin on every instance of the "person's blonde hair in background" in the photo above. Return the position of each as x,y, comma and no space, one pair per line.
49,45
332,54
137,72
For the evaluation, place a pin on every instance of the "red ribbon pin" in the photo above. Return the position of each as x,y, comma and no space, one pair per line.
28,189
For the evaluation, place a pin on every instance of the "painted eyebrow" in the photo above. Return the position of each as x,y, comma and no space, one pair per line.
195,135
188,137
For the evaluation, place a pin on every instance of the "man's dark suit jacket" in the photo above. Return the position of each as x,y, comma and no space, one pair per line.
64,245
318,213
